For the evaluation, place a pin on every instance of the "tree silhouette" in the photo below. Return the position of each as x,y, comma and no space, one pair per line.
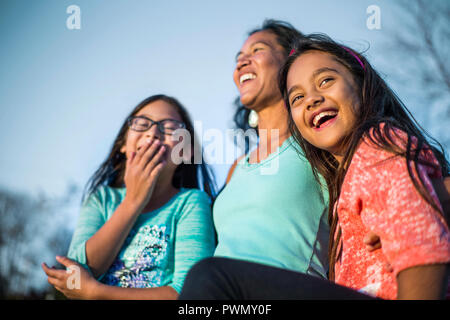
418,51
28,235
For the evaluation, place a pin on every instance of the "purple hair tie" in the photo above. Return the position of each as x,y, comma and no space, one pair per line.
354,55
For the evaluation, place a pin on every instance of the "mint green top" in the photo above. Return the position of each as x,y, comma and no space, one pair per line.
162,245
274,213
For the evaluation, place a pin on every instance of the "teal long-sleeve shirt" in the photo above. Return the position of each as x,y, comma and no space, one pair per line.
162,245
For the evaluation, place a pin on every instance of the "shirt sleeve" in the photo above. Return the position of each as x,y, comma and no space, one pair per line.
412,232
90,220
194,237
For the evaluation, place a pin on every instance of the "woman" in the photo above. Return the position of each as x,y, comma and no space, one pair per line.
272,210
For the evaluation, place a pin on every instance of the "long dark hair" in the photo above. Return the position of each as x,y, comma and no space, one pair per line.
187,175
381,112
285,34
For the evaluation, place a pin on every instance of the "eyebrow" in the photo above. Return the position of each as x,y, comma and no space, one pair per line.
321,70
252,45
315,74
293,89
149,118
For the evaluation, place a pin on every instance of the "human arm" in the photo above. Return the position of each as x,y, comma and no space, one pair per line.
194,236
442,188
413,233
141,174
83,286
423,282
193,241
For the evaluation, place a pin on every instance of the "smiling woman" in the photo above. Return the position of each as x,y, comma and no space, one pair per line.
257,63
144,219
274,217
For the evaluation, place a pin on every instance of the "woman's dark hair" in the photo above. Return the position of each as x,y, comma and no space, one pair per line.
111,172
381,112
285,34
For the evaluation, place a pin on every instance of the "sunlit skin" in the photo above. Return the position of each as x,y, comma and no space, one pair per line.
262,56
157,111
159,148
317,82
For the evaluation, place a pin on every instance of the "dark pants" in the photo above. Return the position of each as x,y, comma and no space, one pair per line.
230,279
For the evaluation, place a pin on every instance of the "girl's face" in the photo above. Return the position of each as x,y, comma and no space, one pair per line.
156,111
323,99
257,66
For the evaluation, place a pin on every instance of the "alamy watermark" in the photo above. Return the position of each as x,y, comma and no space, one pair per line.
373,21
214,146
73,21
73,281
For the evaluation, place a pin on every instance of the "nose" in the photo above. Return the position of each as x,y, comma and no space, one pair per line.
314,100
153,132
242,61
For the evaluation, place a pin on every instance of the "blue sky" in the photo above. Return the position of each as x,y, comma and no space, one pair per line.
64,93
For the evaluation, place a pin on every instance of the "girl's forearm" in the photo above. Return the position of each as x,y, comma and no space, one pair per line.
426,282
106,292
103,247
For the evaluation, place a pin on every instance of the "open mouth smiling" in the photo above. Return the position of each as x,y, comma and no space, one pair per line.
246,77
323,118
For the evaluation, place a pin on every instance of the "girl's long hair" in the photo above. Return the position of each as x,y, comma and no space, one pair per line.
381,111
111,172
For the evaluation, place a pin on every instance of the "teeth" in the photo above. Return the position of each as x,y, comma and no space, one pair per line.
247,76
321,115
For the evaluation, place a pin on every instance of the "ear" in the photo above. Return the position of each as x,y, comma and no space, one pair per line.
123,149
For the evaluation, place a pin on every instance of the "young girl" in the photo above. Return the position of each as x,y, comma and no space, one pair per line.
144,221
378,167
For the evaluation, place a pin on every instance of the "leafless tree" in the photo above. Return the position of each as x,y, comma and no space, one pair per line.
418,53
27,237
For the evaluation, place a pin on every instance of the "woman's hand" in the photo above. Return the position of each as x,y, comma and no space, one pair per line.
75,282
372,241
142,171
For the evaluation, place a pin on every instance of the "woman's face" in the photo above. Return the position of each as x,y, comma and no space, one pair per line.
323,99
157,111
256,72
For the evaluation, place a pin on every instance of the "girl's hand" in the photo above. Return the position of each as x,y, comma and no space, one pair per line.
142,171
75,282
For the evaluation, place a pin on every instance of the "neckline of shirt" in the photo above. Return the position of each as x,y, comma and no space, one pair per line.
245,164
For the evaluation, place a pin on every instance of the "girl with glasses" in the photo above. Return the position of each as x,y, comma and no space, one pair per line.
144,220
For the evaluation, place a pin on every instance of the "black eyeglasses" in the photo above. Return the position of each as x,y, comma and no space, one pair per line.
166,126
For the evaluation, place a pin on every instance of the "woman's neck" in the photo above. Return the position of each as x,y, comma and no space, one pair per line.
273,130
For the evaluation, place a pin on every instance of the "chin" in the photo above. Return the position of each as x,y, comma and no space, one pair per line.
247,99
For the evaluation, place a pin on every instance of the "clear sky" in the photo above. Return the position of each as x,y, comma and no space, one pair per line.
64,93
